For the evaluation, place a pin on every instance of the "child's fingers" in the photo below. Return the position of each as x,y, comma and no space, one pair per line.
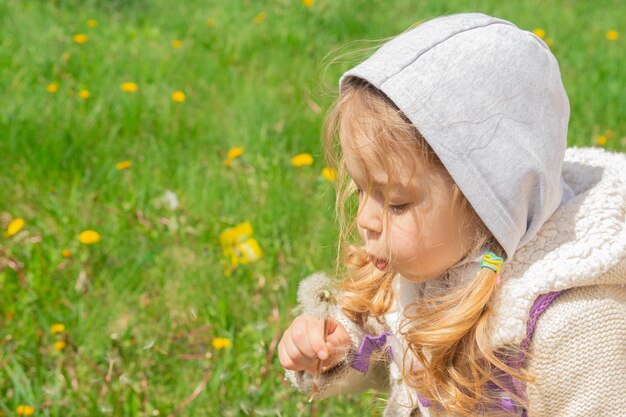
291,357
315,334
287,360
308,335
304,334
303,344
295,353
338,337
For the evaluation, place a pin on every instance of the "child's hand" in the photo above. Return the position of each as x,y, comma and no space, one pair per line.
303,344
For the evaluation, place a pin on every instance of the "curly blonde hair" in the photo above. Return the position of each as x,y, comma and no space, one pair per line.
447,334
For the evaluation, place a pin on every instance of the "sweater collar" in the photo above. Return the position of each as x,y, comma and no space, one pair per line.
582,243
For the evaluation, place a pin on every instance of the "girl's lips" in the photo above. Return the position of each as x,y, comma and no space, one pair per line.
381,264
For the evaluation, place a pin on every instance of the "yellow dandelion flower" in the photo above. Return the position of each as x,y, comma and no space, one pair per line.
129,87
609,133
59,345
25,410
329,174
57,328
239,247
221,343
539,32
14,227
177,43
235,234
302,159
52,88
89,237
228,163
235,152
248,251
601,140
84,94
210,22
178,96
80,38
549,42
260,18
123,165
308,3
65,57
92,23
612,35
66,253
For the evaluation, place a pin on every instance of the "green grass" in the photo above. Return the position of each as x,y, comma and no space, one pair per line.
139,335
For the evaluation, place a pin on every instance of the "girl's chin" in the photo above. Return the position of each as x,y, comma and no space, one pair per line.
416,277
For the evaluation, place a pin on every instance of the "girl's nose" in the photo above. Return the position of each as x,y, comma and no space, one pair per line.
369,216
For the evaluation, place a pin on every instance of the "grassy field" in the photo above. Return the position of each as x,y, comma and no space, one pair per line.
152,319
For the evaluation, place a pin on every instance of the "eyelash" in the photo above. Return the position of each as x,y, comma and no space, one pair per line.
398,208
394,208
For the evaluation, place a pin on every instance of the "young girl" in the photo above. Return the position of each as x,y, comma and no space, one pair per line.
489,277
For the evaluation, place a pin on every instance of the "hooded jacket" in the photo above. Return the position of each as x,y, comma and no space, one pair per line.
488,98
579,344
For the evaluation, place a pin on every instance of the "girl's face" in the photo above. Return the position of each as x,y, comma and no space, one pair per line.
407,222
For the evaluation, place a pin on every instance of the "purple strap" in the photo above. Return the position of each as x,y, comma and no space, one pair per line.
424,401
539,306
370,344
541,303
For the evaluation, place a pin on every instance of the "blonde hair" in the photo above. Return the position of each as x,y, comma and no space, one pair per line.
447,334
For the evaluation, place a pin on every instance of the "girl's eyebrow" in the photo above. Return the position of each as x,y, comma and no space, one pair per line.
378,184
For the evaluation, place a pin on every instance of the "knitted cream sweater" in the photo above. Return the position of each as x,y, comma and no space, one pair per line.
579,345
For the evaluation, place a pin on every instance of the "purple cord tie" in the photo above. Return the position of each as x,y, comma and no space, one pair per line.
361,361
424,401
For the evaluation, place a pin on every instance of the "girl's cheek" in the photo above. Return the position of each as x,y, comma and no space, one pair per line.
406,227
361,233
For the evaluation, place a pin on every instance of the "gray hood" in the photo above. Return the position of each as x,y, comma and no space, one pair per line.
488,98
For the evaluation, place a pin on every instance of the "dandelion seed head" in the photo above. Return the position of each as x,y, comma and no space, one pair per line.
316,294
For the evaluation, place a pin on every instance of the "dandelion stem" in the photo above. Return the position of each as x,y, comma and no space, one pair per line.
318,370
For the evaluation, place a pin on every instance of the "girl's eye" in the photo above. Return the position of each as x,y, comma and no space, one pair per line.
398,208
